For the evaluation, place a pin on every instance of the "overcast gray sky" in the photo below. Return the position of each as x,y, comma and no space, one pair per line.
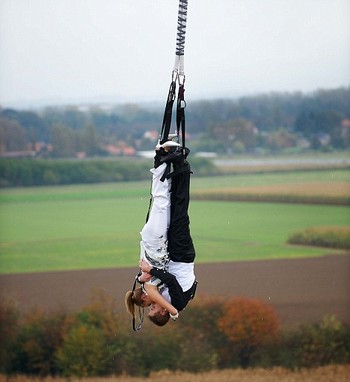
123,50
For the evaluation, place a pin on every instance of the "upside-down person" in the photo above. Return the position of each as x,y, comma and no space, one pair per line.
179,278
178,281
154,235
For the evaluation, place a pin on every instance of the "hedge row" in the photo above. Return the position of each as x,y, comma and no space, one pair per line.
38,172
210,334
329,237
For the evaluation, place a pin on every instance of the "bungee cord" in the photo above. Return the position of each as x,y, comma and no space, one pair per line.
181,28
180,41
178,78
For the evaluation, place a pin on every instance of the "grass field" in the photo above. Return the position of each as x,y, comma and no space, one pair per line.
97,226
316,187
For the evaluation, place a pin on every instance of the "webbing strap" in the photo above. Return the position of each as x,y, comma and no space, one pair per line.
140,310
180,114
168,113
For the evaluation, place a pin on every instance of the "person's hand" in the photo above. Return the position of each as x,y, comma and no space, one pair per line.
174,315
145,267
145,277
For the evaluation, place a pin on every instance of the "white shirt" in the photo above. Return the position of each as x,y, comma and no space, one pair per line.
184,273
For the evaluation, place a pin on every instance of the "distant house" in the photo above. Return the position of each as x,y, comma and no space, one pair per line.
152,135
121,148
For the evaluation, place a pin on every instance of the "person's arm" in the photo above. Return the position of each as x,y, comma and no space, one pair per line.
157,298
166,277
144,277
178,298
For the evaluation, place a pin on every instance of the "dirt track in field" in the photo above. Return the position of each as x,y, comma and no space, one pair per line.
301,290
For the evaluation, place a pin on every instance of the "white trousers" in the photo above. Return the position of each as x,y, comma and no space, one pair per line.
154,235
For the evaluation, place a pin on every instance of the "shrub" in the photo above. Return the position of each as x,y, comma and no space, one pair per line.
212,333
152,349
108,329
83,352
201,341
37,341
318,344
329,237
249,324
9,326
37,172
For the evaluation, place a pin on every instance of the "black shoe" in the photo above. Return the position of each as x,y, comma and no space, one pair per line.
176,157
180,160
171,157
158,157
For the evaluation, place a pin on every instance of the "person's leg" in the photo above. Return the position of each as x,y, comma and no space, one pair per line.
155,232
180,245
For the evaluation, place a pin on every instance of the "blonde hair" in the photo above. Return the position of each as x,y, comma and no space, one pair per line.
133,298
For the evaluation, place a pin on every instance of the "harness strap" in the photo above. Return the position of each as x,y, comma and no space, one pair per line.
180,114
168,113
135,327
149,203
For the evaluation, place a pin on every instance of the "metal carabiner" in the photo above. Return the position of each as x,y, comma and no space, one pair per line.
174,75
181,78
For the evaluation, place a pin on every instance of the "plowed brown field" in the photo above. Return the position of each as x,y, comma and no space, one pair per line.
301,290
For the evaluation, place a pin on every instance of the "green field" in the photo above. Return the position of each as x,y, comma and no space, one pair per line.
97,226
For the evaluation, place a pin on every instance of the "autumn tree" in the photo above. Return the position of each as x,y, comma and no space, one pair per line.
248,324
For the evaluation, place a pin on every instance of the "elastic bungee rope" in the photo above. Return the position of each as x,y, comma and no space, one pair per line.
181,28
178,78
179,70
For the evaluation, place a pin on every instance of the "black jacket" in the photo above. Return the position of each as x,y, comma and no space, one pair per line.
179,298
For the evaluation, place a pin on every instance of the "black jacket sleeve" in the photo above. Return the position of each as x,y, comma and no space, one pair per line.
178,298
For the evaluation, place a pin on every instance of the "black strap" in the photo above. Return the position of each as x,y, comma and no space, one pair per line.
180,114
137,327
166,173
168,113
150,202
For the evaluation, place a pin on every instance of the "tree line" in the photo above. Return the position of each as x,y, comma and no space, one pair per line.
212,334
256,124
42,172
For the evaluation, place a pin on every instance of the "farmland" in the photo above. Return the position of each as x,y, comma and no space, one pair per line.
97,226
89,236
